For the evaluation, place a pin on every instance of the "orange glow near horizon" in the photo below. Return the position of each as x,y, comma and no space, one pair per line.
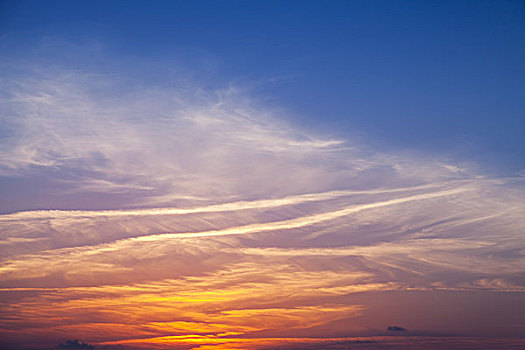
262,175
309,272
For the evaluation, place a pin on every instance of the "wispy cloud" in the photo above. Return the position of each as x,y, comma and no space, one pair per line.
170,146
226,222
241,205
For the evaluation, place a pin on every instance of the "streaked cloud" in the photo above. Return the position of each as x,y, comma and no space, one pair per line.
218,224
167,146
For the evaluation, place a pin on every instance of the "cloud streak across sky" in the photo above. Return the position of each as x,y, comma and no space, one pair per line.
203,219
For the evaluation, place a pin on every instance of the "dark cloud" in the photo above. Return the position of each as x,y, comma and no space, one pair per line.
396,329
75,344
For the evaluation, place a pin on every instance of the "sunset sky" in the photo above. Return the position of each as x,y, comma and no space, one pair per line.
262,175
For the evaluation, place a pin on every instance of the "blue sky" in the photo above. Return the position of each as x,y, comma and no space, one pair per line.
262,174
439,76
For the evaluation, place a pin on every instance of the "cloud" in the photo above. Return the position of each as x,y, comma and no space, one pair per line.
193,147
106,256
144,145
263,203
201,218
396,329
75,344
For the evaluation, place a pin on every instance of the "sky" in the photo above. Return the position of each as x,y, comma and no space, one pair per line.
262,175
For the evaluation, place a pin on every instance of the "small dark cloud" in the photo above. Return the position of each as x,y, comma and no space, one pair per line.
396,329
75,344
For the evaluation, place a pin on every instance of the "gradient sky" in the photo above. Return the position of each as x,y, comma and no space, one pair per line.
262,175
